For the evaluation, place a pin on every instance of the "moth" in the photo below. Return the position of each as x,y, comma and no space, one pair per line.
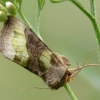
21,45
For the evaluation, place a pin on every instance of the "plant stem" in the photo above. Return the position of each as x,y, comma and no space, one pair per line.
94,21
25,20
92,7
97,31
81,7
37,20
70,92
37,23
92,18
36,30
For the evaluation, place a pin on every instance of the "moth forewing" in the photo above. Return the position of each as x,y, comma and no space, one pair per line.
20,44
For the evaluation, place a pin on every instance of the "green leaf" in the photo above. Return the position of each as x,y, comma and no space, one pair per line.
57,1
41,4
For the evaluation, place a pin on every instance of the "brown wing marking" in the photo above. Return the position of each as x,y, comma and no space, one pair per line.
35,47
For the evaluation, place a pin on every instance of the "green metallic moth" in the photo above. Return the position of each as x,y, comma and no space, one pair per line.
20,44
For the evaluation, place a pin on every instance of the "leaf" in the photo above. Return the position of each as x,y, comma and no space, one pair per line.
41,4
57,1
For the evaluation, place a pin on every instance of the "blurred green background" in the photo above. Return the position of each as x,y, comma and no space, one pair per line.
66,30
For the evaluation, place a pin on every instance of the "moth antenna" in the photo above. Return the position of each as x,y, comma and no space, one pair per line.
33,87
74,69
84,65
91,65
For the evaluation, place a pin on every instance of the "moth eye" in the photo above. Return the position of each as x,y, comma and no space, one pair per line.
69,74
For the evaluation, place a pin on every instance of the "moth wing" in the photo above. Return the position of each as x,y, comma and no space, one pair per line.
34,45
64,59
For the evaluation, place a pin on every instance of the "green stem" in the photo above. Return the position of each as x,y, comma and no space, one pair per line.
81,7
25,20
37,23
92,7
37,20
70,92
97,30
36,30
93,19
